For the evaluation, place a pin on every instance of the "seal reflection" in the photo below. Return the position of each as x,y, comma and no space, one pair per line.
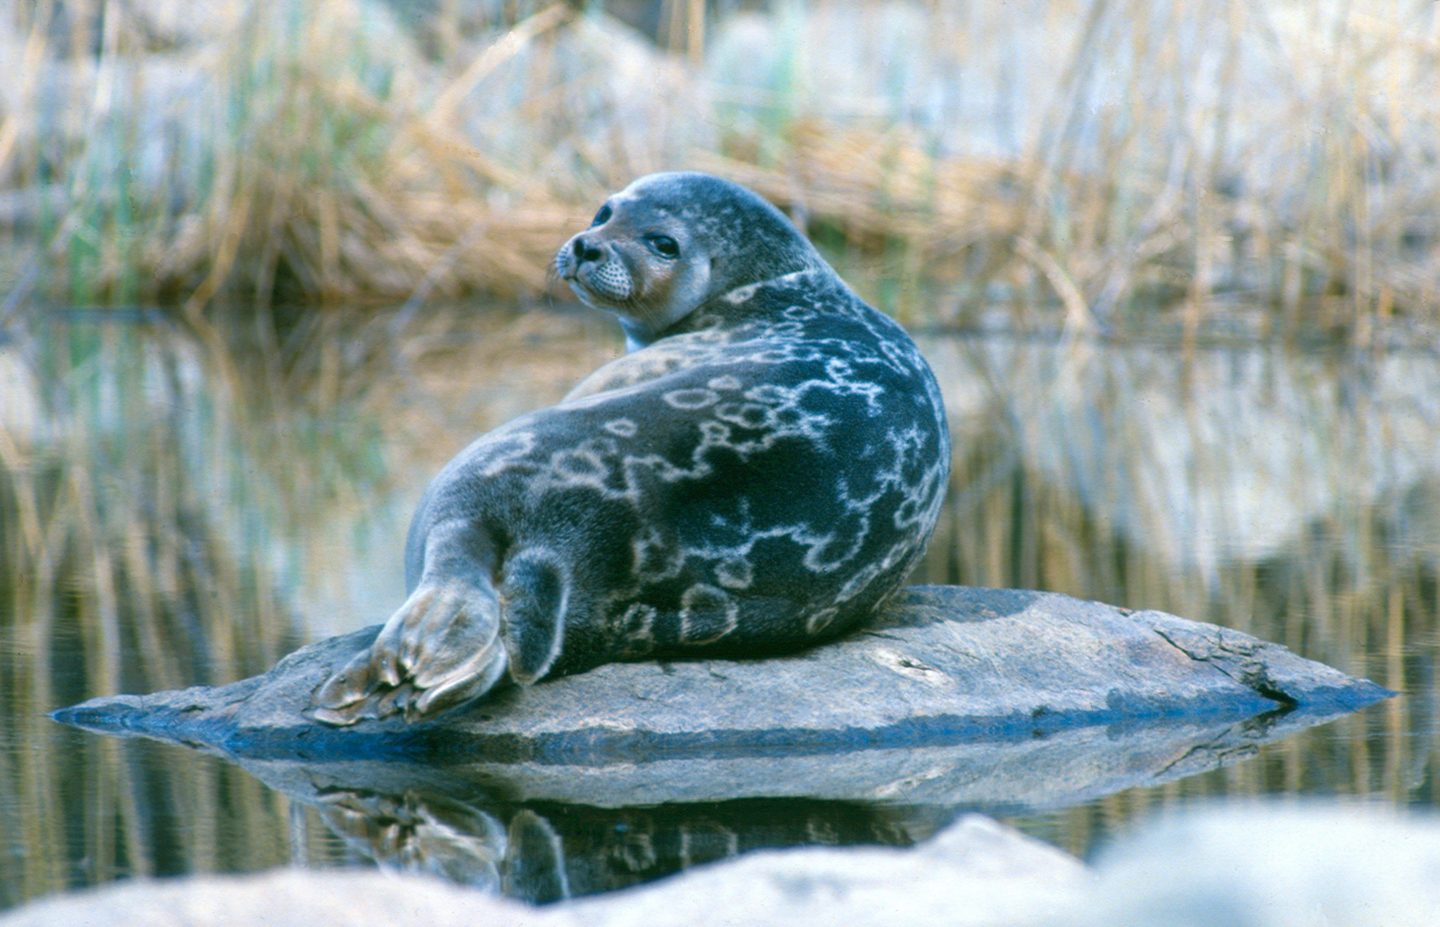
547,852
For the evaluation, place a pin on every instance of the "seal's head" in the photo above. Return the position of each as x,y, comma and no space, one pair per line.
669,243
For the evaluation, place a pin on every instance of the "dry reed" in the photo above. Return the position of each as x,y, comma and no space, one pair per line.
1190,157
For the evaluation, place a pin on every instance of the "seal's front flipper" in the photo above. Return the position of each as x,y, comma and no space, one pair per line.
439,650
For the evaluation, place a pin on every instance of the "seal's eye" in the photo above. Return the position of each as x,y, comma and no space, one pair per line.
663,245
602,216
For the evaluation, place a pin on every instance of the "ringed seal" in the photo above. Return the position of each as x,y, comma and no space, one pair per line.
757,474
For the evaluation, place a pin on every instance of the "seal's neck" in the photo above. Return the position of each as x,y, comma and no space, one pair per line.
637,336
734,305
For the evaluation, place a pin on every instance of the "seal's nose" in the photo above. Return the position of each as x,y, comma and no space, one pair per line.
584,250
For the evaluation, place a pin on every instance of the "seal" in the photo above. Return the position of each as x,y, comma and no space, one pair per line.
757,474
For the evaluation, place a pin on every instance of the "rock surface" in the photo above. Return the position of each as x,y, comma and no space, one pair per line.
943,665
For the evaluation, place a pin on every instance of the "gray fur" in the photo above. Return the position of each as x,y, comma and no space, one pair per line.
757,475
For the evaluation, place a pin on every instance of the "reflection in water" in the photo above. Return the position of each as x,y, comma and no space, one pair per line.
549,852
463,844
175,512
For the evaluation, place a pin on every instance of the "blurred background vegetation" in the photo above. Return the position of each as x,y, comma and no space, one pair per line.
1101,164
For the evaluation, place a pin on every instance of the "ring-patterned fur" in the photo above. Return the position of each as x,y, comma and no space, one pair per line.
757,475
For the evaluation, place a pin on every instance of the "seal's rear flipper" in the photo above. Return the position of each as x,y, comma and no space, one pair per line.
439,650
341,699
536,594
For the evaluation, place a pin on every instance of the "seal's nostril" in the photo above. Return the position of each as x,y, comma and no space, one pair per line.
584,251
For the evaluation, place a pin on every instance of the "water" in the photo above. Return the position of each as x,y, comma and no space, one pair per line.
180,508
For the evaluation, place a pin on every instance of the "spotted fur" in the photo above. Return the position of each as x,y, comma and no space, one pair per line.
758,474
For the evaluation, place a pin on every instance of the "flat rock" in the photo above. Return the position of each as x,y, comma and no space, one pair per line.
942,665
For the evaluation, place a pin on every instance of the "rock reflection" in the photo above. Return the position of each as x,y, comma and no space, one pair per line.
542,831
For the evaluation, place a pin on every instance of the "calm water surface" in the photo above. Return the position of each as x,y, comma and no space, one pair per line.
180,508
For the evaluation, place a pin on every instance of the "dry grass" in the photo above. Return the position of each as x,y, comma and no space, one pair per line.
1146,153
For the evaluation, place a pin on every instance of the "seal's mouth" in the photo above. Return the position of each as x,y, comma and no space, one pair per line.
566,269
578,287
588,293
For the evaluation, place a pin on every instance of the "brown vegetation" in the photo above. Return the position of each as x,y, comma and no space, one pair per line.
1142,154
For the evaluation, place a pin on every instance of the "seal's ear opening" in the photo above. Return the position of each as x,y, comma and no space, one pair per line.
533,627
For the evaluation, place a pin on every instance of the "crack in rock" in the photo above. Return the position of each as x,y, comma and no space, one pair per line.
1234,656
